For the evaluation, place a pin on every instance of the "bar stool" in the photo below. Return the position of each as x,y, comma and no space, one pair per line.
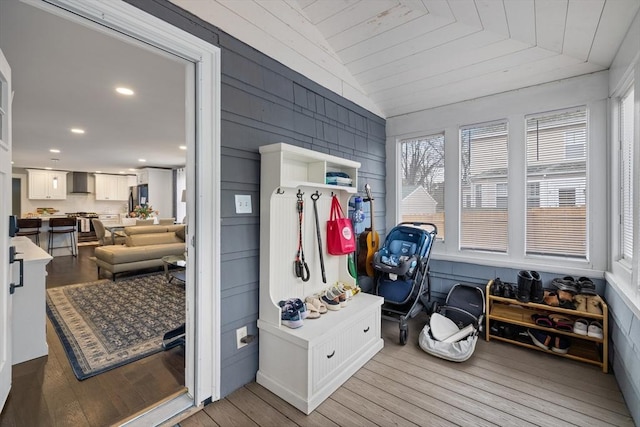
63,226
29,227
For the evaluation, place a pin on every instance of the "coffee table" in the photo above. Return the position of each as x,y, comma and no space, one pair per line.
175,261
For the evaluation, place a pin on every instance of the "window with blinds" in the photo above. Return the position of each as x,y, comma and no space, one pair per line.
483,187
626,172
557,183
422,168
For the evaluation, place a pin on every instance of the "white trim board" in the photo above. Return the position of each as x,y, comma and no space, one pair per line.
202,374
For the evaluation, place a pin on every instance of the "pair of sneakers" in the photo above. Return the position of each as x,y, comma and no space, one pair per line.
336,296
292,312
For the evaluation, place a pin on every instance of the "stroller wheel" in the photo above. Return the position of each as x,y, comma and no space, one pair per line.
404,334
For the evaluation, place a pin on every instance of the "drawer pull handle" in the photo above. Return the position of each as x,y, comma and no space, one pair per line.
367,330
329,356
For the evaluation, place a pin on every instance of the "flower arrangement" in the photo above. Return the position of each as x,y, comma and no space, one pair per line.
143,211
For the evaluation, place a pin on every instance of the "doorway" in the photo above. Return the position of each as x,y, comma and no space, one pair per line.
202,129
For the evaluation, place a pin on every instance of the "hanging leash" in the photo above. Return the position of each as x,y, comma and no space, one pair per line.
301,267
315,198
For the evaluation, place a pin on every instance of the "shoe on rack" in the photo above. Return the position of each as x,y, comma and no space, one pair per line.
524,286
537,292
594,304
560,344
581,302
298,305
580,326
567,283
595,330
540,338
334,292
331,302
316,303
551,298
290,317
586,286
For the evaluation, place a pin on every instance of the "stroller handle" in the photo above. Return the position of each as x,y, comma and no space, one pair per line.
420,224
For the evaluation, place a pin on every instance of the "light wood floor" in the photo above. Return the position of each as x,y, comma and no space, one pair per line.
45,392
501,385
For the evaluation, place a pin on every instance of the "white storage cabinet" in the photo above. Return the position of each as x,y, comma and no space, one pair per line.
47,184
112,187
160,189
305,365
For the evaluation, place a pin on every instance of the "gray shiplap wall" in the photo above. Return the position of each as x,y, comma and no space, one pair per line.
264,102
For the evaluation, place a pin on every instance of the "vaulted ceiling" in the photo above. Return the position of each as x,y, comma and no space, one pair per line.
398,56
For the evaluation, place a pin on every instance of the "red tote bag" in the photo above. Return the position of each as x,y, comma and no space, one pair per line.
340,237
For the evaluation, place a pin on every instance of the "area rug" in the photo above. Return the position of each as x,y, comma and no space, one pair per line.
106,324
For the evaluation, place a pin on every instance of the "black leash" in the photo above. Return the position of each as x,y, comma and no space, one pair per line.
315,198
301,267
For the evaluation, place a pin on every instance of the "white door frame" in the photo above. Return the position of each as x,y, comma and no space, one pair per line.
202,375
6,97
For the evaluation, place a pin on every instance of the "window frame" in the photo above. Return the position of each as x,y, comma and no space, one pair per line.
477,196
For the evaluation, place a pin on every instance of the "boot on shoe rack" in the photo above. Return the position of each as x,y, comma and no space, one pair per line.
524,286
537,292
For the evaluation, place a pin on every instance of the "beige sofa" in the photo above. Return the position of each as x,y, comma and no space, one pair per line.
144,247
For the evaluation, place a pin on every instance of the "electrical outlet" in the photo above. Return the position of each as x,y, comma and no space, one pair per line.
241,333
243,203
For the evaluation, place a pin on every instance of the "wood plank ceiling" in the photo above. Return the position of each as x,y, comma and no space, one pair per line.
399,56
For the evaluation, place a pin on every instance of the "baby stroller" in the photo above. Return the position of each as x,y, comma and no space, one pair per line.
452,330
402,272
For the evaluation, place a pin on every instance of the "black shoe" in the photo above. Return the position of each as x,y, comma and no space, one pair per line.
497,288
524,286
537,292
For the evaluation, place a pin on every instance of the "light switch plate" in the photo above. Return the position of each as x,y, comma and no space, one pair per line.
243,203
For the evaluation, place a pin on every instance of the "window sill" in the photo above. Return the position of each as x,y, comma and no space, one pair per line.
626,292
559,266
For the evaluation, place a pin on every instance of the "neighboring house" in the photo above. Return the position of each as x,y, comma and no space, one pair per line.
417,201
556,168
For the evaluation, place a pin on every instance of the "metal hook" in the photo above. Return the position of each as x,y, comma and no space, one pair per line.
279,191
316,195
300,194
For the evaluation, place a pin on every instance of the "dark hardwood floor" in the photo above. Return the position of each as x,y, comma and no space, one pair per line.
45,392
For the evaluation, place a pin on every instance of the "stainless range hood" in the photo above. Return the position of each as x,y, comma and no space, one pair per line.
80,182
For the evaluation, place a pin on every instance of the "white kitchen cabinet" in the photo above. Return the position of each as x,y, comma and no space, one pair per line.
143,176
47,185
112,187
305,365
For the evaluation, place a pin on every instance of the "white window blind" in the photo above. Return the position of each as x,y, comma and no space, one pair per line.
626,171
422,166
556,183
484,199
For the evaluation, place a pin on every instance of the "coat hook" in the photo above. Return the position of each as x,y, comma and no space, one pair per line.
279,191
318,194
300,193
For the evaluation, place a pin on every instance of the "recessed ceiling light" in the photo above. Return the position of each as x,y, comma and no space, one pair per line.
124,91
122,172
47,168
77,130
142,160
98,171
183,147
54,150
132,169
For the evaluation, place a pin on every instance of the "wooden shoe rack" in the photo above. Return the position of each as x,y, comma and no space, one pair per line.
513,312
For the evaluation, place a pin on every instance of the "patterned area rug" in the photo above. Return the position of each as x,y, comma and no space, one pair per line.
106,324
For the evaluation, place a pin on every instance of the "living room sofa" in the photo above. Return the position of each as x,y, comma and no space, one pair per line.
144,247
